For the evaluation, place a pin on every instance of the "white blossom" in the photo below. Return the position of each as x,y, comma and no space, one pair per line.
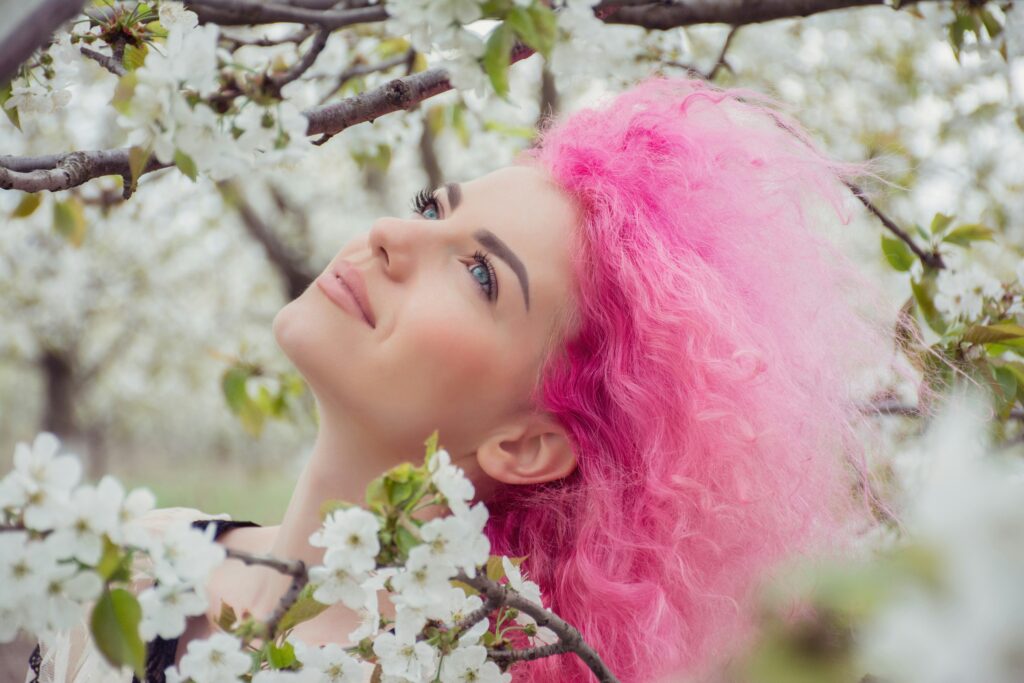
405,657
330,663
42,480
37,99
66,589
458,539
216,659
458,606
173,15
470,665
370,609
423,583
186,554
962,293
350,536
93,513
337,583
451,481
166,606
526,588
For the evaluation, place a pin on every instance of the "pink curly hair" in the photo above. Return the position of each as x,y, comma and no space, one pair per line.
706,376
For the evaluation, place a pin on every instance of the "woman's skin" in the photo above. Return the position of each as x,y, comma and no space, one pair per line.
441,356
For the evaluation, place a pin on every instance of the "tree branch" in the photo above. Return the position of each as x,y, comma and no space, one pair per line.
933,258
106,61
63,171
736,12
247,12
301,66
363,69
296,569
35,28
568,636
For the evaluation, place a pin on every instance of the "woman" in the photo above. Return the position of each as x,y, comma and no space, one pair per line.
638,345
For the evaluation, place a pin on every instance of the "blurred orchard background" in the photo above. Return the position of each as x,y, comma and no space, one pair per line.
139,329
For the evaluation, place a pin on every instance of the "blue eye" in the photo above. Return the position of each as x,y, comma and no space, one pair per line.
424,201
490,284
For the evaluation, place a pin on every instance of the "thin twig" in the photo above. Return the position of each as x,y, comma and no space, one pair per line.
295,568
527,653
301,66
235,12
106,61
297,37
720,62
933,258
568,636
364,69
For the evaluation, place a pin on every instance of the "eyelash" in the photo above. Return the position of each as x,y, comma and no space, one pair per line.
423,200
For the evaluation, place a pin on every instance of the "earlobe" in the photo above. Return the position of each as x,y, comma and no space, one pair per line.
528,453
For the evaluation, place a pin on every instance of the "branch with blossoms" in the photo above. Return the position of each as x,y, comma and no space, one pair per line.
143,45
460,613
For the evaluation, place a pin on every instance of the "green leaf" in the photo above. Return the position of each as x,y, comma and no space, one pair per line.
967,233
227,617
329,506
497,58
137,160
123,92
399,491
897,253
523,23
12,113
1007,380
405,540
1000,332
545,21
69,220
992,25
134,57
940,222
115,630
28,204
185,164
233,384
431,444
922,232
303,609
110,560
924,294
376,496
280,657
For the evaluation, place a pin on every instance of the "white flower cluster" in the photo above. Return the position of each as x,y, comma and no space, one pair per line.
49,568
962,292
966,622
45,580
61,545
160,114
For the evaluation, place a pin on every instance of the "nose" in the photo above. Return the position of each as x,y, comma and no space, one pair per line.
395,241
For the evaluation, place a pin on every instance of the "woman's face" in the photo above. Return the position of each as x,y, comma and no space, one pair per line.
453,347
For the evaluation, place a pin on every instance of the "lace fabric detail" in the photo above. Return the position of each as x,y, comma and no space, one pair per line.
72,657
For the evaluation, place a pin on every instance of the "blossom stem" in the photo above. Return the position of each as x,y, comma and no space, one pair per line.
569,638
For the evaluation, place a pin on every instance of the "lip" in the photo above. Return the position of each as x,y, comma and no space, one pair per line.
345,287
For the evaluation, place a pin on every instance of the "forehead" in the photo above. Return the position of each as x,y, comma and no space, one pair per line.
523,207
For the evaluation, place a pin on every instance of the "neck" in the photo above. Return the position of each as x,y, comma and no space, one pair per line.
337,469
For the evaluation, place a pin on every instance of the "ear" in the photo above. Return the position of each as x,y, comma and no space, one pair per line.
534,450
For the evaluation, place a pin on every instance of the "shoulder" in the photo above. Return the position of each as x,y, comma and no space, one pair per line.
158,520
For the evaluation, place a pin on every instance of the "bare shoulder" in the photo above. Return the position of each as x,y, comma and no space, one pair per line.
250,539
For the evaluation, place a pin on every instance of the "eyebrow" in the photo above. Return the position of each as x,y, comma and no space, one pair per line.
488,240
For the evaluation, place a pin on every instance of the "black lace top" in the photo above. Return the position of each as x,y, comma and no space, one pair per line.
159,652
